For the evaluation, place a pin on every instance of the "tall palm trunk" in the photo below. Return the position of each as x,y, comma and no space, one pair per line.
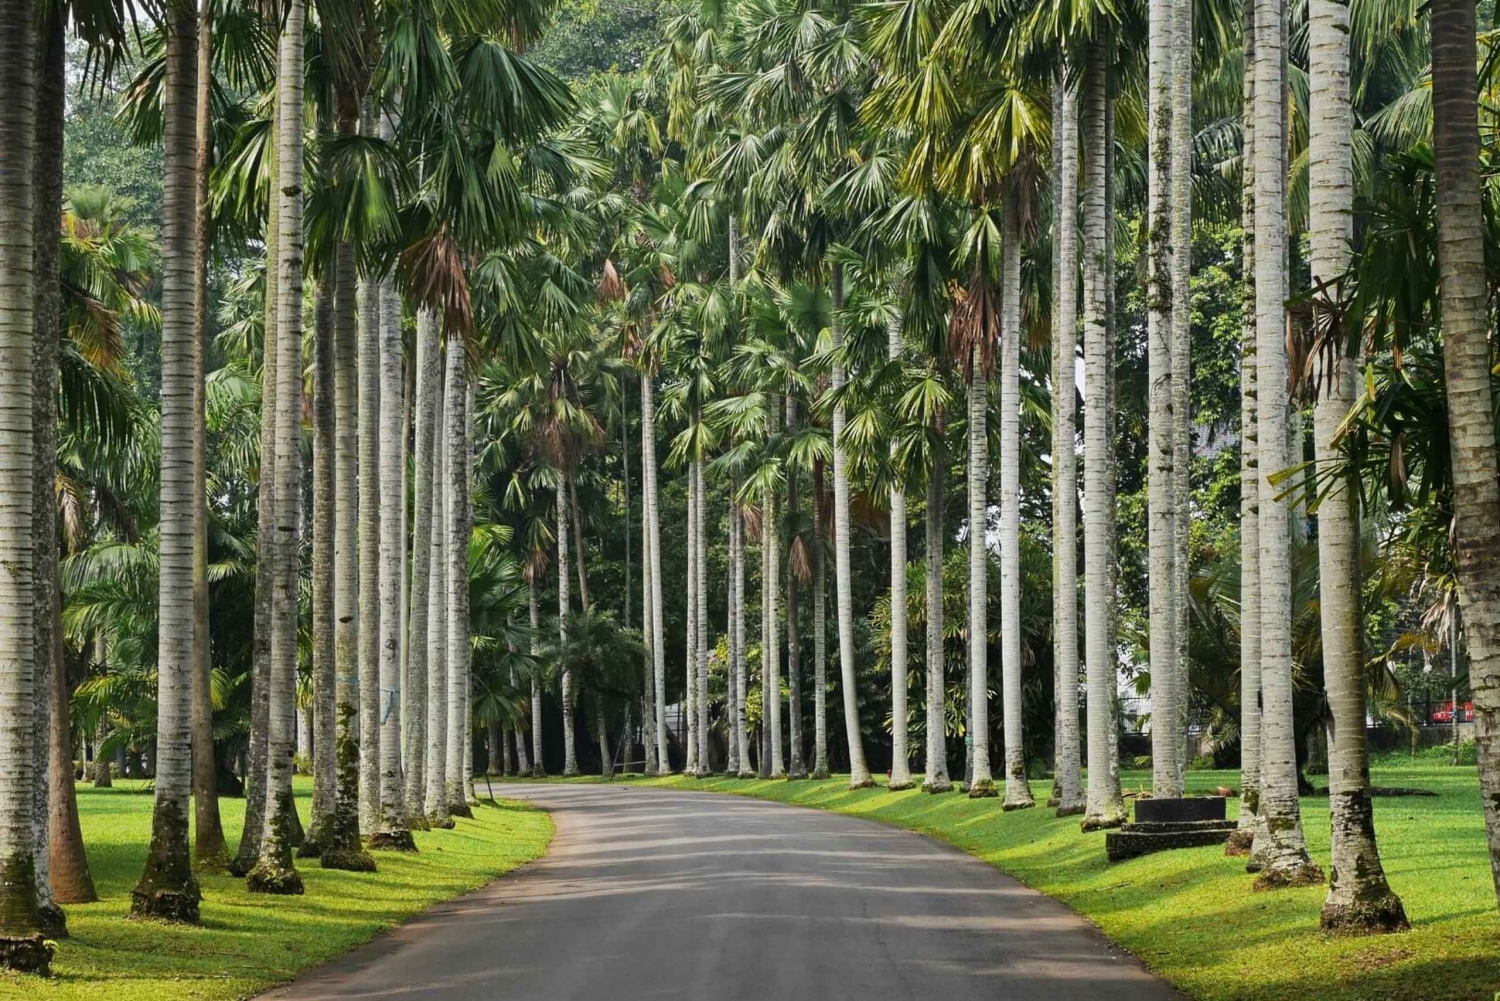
798,764
420,745
741,670
1069,787
21,932
1017,789
731,689
700,654
1162,525
369,555
209,848
324,673
265,530
900,744
648,668
771,648
273,872
859,772
936,779
168,888
435,796
1240,841
1359,899
690,628
392,832
456,526
538,769
978,777
1279,851
1182,346
1103,805
340,846
820,627
1466,363
570,751
653,518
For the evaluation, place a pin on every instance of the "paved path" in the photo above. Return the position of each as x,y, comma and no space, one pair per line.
651,894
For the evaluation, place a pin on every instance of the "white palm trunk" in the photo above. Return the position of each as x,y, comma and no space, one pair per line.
859,771
538,770
1182,346
1069,785
456,565
1162,522
340,845
1279,850
690,629
324,670
273,872
741,673
1104,806
564,600
392,832
167,888
648,668
796,764
936,778
900,743
21,932
1017,788
435,795
1359,898
981,783
1239,842
369,555
820,630
653,518
771,645
425,487
701,632
731,692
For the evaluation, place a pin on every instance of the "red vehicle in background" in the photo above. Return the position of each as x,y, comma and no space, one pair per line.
1445,714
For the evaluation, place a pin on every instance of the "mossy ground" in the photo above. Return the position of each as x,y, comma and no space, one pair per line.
1191,915
248,942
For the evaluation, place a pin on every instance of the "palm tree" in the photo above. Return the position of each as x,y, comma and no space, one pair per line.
435,796
1466,364
21,932
1017,789
324,670
1181,141
900,748
1240,841
1279,852
273,871
1103,805
429,360
369,407
1165,781
1359,899
564,610
1069,790
167,888
456,553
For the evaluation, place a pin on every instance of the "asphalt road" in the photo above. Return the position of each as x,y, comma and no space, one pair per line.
650,894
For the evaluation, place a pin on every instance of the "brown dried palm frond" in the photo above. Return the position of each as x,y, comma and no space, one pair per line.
974,325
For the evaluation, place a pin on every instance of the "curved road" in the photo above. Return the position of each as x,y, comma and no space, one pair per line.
650,893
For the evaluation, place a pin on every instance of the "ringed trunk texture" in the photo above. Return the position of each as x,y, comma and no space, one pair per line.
980,782
900,743
370,403
936,780
771,648
1466,363
168,889
1182,346
798,764
425,486
859,771
1017,788
435,797
653,517
456,404
324,672
1069,791
1103,805
820,625
1279,852
570,751
700,655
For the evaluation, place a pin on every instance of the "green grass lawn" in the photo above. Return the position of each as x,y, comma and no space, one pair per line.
248,943
1191,914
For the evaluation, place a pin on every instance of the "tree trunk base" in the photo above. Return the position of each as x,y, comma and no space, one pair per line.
214,861
821,773
866,784
1379,916
310,847
178,906
417,822
538,772
52,921
347,860
441,823
900,786
983,790
935,788
461,809
1075,810
393,840
31,954
1020,804
1305,874
1090,824
273,879
1239,842
747,775
1053,801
